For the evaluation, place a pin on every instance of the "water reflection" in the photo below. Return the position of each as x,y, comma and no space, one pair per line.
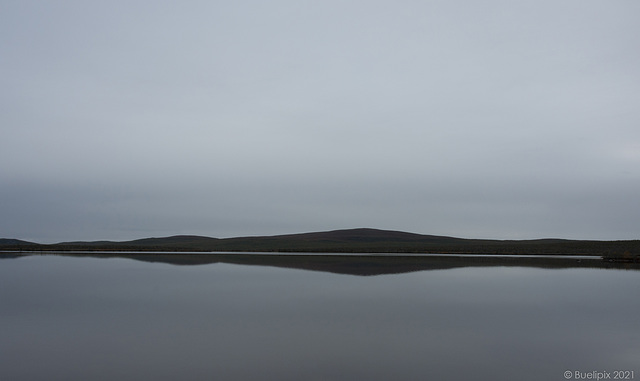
103,319
363,265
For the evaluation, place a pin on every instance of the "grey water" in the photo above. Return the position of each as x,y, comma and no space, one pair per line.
83,318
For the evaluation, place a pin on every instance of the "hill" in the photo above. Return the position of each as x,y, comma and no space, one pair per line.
360,240
10,241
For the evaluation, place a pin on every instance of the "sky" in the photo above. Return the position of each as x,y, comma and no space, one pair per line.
496,119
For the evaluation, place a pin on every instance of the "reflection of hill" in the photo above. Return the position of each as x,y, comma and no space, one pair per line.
11,255
363,265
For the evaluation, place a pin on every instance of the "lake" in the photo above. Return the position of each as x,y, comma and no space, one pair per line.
234,317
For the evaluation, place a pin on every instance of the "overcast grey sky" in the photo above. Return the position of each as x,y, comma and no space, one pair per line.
492,119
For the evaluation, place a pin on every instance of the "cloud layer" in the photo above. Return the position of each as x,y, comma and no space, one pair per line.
494,119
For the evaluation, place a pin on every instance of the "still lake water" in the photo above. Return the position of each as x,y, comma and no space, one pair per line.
67,318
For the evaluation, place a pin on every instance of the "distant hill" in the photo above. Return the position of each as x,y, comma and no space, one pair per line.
360,240
9,241
173,243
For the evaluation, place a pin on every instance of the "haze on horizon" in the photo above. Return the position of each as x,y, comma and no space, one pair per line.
497,119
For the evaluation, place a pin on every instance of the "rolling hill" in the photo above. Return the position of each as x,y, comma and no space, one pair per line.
362,240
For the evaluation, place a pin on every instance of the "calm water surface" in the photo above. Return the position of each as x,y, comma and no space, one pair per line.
65,318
